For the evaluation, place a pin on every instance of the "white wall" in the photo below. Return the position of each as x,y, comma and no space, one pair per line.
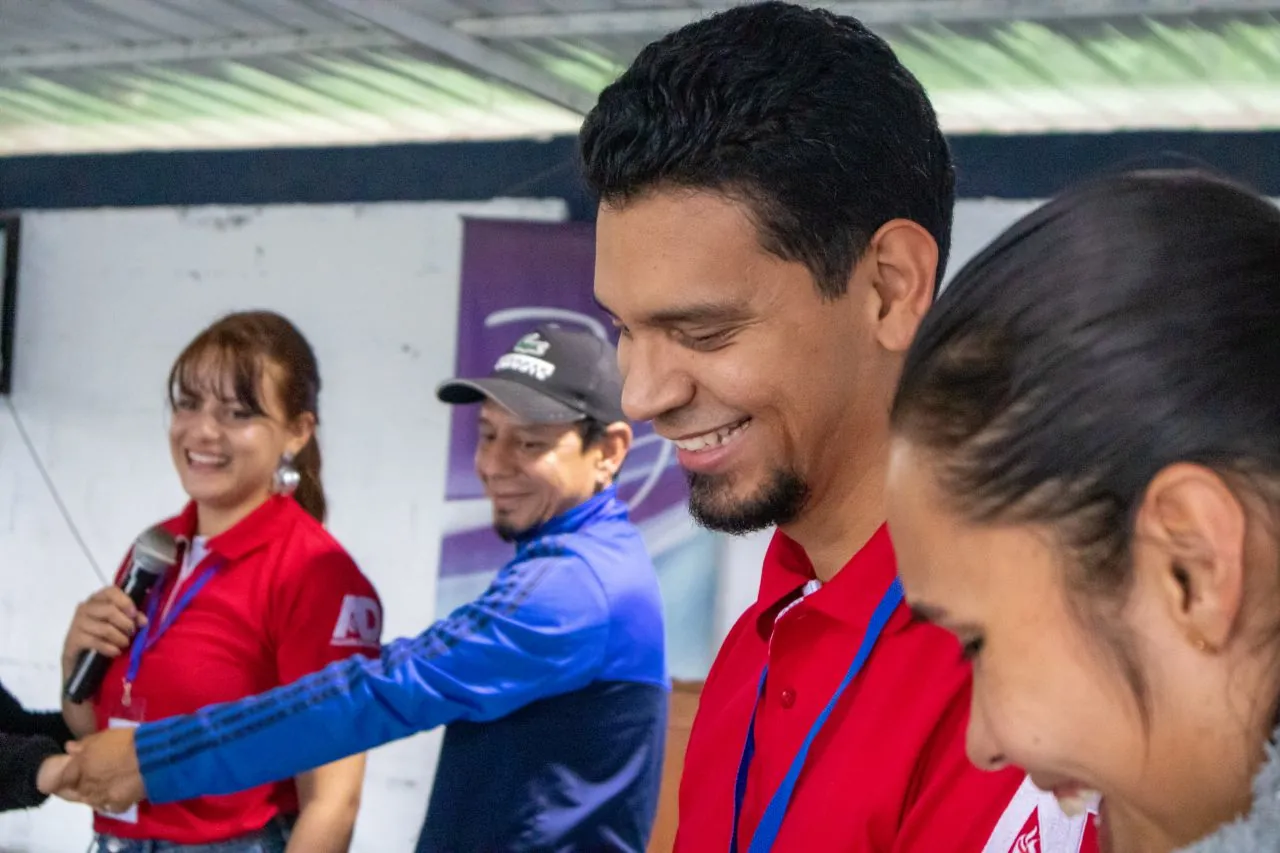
107,300
977,223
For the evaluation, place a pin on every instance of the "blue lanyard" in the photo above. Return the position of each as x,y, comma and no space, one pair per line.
146,639
771,821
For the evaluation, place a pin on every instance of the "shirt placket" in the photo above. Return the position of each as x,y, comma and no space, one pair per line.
780,725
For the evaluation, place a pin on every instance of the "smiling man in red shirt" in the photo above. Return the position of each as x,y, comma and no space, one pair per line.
775,212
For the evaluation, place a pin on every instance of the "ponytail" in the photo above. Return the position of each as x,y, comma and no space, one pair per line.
310,491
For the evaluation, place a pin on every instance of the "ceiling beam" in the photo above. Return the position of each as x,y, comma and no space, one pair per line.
159,18
872,12
469,52
148,53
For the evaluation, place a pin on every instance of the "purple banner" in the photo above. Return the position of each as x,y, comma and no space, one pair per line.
516,275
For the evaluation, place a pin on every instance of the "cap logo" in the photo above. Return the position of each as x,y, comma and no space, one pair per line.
532,344
526,364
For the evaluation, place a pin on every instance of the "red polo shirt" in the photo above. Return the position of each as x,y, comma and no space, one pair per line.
888,770
284,600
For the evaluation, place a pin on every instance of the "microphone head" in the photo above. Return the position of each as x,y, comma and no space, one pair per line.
155,550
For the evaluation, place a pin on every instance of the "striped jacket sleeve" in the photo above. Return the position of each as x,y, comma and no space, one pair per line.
539,630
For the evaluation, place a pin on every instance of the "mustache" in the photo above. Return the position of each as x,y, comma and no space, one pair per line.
677,421
685,421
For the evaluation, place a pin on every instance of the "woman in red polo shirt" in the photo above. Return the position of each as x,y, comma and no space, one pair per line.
262,595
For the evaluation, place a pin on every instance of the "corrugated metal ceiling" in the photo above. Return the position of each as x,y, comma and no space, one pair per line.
93,75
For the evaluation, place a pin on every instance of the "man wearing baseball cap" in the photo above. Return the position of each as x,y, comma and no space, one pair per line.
552,684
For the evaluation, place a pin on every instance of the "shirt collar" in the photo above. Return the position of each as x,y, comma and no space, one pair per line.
787,568
603,506
252,532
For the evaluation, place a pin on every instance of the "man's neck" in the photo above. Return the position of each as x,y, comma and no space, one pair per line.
840,520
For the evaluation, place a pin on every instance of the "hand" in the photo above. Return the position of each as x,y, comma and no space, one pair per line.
105,623
49,776
103,771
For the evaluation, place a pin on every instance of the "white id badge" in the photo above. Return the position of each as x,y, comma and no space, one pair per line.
129,815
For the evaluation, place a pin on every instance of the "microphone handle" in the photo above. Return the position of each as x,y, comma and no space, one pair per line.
91,665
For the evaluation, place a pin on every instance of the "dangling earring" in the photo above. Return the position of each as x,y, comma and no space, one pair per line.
286,479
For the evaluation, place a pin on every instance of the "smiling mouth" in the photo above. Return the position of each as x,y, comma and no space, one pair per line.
1073,797
206,460
715,438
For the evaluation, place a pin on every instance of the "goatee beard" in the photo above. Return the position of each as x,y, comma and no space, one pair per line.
506,532
779,501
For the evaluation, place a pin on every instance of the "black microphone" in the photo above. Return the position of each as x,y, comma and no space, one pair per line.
154,553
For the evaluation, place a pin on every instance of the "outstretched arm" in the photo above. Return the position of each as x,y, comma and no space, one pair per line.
538,631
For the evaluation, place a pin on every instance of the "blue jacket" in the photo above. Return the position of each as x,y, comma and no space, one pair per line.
553,685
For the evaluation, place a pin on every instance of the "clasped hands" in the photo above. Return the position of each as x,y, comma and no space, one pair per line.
100,770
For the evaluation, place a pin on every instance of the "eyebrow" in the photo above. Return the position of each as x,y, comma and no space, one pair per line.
697,313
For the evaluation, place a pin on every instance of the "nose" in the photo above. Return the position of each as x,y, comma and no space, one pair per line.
980,743
203,423
652,383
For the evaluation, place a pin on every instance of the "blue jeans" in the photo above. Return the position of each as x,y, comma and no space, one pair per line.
272,838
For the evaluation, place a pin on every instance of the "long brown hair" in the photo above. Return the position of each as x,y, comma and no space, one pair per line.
245,343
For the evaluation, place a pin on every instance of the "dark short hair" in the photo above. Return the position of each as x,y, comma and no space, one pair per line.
807,117
592,431
1126,326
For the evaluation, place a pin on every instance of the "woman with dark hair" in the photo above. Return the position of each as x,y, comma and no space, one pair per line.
262,596
1085,490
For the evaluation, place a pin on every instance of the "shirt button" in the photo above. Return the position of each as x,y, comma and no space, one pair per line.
788,697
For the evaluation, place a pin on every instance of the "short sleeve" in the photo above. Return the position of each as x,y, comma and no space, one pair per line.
325,610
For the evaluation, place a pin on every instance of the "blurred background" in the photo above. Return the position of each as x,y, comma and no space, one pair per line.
399,179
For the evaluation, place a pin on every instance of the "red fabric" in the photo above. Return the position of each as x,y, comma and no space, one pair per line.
888,771
1090,844
1028,840
285,600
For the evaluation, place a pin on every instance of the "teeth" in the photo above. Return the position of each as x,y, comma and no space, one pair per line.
1078,802
205,459
713,439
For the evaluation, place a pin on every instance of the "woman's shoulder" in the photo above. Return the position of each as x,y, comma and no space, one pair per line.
310,547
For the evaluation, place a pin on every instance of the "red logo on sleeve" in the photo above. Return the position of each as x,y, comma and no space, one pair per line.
1028,840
